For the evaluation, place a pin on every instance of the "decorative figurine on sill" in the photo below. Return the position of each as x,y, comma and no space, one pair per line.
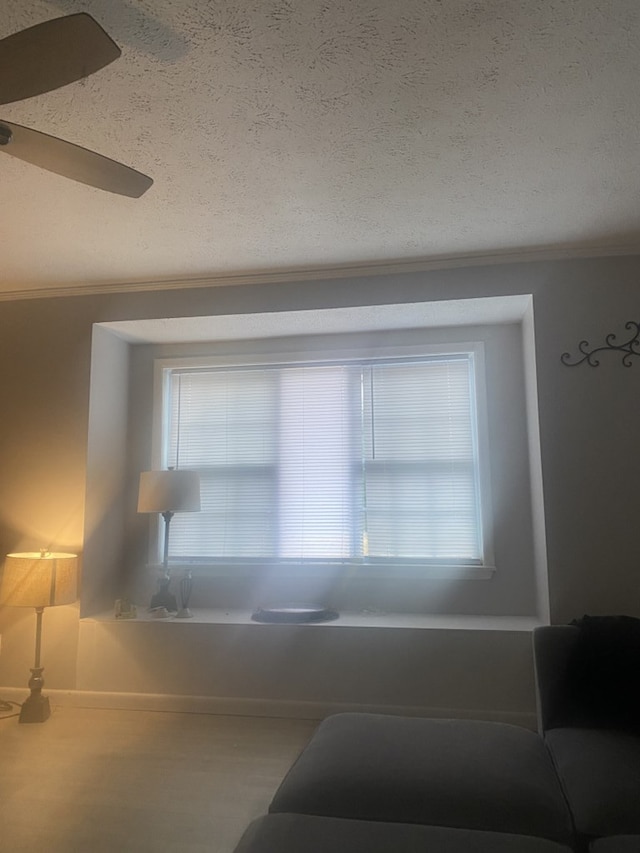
164,597
125,609
185,586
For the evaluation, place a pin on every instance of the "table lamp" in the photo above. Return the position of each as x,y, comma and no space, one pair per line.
168,492
39,580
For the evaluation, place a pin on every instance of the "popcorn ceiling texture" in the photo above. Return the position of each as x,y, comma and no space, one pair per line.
302,133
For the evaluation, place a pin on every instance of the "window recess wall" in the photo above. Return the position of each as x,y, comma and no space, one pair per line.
505,580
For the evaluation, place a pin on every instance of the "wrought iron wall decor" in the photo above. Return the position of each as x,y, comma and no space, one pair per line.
630,349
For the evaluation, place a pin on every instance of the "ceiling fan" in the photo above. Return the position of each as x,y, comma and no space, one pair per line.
43,58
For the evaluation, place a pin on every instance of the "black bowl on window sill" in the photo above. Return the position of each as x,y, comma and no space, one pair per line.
294,614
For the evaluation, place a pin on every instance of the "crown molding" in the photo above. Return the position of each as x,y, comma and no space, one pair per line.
320,273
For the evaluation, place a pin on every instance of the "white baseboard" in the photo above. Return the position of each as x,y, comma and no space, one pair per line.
241,707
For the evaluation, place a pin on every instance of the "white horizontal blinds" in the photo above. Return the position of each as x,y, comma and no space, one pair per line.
315,499
223,423
420,461
331,462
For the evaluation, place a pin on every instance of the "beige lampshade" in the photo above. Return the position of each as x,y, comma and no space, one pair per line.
39,579
169,491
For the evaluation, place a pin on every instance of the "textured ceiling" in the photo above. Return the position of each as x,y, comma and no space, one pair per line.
303,134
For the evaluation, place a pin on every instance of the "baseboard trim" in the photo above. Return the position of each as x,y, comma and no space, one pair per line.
242,707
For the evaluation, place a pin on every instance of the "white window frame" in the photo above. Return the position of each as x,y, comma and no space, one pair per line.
341,355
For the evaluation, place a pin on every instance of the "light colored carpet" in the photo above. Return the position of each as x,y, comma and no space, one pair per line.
97,781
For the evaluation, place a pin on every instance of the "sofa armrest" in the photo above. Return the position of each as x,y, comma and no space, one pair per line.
552,648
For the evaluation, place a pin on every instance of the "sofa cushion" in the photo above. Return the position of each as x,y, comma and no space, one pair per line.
458,773
600,775
288,833
616,844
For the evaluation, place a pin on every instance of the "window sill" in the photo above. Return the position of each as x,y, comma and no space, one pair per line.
347,619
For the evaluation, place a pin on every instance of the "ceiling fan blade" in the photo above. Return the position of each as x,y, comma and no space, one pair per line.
52,54
71,161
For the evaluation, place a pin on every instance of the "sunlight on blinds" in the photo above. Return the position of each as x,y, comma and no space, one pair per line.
356,461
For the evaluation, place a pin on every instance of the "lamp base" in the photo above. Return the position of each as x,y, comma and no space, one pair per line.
35,709
164,597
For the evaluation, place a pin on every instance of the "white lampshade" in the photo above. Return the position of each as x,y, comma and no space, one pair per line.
169,491
39,579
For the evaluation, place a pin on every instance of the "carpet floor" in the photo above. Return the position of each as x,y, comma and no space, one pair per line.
105,781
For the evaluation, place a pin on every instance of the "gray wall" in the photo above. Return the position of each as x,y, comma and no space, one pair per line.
590,472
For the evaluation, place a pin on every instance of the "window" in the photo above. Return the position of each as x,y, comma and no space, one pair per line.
375,461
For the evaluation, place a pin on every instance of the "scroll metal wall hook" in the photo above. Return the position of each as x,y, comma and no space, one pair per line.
630,349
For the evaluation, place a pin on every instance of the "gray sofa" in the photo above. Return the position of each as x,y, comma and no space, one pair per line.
591,728
369,782
464,774
293,833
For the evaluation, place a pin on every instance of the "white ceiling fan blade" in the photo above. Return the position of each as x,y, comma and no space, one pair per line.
71,161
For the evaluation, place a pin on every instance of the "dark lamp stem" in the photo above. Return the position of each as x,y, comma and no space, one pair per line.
36,708
168,515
